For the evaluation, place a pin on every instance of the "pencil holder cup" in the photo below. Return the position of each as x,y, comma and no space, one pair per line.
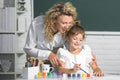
30,72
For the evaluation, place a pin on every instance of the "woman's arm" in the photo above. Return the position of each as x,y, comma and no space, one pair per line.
31,43
34,39
36,45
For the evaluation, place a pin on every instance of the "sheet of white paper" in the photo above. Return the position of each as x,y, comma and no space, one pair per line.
108,77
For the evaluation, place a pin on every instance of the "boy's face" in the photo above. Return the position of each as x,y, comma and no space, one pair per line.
75,41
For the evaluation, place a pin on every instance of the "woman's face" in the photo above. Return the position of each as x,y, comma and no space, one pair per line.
75,41
63,23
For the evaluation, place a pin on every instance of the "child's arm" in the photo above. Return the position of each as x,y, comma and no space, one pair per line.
96,70
62,69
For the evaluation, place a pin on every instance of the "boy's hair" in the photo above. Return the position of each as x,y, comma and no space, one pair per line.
76,29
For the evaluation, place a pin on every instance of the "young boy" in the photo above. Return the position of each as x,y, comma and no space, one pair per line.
75,56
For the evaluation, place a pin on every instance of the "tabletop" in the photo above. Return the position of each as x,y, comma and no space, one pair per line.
105,77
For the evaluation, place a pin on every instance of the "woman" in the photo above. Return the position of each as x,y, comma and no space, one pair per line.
47,32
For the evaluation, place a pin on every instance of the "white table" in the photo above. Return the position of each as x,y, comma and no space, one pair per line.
106,77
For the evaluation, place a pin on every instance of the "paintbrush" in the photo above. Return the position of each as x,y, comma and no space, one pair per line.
81,69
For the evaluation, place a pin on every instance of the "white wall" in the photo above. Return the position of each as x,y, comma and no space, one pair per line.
106,46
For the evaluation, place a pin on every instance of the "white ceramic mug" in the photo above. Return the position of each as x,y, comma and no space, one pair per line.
46,68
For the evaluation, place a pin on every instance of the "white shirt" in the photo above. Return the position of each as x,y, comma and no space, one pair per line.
36,45
83,58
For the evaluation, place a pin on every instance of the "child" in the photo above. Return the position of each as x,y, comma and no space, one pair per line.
75,56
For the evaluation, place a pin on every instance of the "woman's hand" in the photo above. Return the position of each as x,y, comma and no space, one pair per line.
54,59
97,72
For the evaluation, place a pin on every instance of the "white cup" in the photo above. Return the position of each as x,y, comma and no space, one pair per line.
46,68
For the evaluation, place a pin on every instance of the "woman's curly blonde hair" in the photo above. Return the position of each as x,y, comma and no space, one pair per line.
53,13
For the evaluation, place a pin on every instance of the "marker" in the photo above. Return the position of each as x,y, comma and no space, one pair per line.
82,69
